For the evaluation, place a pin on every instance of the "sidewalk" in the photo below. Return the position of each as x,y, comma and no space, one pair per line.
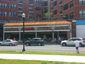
60,58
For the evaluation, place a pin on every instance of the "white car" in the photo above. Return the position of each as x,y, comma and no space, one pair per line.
70,42
9,42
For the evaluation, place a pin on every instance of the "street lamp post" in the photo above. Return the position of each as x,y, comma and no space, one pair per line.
23,16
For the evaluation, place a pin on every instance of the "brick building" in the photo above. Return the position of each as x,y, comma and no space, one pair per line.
67,9
41,9
8,10
11,10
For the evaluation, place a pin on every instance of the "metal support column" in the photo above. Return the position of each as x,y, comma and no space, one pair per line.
19,34
3,32
35,32
70,31
53,33
58,35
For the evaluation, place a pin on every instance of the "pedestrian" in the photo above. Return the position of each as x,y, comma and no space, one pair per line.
77,46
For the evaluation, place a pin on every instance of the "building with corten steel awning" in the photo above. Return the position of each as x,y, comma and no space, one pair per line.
49,30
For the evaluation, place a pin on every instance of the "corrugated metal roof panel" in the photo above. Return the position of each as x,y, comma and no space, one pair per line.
37,23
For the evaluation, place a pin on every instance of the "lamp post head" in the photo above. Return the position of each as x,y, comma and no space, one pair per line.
23,15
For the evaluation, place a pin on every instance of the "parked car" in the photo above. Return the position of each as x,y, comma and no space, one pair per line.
9,42
35,41
70,42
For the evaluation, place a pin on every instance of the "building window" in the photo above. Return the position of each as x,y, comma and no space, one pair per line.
20,1
31,1
31,14
54,3
71,16
65,6
55,12
2,20
2,5
12,14
2,14
7,5
82,2
71,4
11,6
82,13
60,2
45,3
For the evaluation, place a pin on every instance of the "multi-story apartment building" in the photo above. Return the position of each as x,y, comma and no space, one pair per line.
53,9
11,10
22,7
67,9
81,9
8,10
41,9
31,9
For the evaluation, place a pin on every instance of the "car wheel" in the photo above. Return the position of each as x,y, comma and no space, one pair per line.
64,44
27,44
0,44
80,44
41,44
10,44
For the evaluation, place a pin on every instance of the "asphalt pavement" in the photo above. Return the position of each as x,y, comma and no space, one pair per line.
49,48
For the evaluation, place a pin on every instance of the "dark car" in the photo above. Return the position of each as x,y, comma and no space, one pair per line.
35,41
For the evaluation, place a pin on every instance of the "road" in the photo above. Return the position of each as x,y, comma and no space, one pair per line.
51,48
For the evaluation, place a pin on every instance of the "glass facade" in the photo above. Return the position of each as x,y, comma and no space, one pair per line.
12,14
82,13
20,8
31,1
82,2
7,5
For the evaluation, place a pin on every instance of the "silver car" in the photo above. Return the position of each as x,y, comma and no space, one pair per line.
70,42
9,42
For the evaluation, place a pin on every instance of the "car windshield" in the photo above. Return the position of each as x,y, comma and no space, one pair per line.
37,38
75,39
7,40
